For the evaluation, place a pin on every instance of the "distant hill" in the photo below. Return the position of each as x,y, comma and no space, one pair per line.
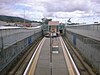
12,19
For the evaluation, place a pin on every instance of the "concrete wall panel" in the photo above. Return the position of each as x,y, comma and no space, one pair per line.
88,47
14,43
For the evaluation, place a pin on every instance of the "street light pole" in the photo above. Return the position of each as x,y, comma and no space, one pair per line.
24,16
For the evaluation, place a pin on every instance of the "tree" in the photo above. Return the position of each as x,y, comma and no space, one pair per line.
45,20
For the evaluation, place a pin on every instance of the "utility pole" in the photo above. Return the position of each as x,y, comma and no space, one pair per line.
24,16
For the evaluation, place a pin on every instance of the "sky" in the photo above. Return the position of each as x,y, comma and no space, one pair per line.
78,10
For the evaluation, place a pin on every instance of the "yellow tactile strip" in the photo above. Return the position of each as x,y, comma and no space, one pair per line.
34,62
69,65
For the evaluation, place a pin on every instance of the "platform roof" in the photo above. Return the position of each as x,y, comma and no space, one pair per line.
53,23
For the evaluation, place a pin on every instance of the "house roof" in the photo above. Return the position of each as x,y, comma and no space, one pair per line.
53,23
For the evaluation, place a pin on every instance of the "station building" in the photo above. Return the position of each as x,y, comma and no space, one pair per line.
56,27
53,26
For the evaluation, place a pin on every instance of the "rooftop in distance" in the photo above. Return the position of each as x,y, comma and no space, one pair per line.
53,23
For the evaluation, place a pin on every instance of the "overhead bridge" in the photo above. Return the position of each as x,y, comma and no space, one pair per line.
45,61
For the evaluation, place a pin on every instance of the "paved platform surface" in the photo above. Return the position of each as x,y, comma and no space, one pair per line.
94,34
59,66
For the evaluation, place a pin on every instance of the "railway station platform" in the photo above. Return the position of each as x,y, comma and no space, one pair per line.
58,63
47,62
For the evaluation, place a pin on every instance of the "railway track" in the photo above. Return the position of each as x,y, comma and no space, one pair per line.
19,68
72,69
83,67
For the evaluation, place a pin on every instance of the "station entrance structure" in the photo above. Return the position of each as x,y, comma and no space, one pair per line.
53,27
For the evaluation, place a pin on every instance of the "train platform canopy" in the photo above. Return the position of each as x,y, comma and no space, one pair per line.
53,23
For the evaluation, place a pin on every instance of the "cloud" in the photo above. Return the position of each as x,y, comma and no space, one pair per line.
50,8
67,8
97,1
67,5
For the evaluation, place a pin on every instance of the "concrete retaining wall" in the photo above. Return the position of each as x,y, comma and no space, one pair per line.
95,27
14,43
88,47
